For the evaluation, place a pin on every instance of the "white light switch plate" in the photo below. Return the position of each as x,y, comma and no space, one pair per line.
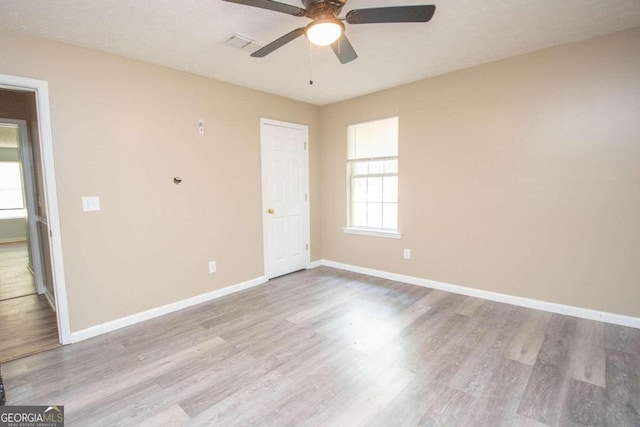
91,204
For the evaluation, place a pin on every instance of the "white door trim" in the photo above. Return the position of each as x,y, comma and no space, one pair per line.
26,162
264,122
41,89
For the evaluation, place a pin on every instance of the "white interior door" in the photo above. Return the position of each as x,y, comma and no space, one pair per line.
285,178
29,179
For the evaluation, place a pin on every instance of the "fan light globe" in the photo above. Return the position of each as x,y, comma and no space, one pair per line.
324,33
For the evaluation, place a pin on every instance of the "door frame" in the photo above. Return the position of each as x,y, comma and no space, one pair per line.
28,178
265,247
41,90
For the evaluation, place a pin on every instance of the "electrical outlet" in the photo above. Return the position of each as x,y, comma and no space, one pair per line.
212,266
407,254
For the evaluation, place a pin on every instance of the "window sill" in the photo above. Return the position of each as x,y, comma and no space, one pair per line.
374,233
11,217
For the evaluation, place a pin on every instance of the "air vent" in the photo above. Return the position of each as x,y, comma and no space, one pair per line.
240,41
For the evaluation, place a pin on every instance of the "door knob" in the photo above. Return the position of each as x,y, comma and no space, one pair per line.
270,211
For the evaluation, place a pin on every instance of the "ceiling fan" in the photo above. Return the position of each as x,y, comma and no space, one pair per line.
326,28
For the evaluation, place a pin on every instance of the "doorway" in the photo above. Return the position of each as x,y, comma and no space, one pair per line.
36,320
27,298
285,196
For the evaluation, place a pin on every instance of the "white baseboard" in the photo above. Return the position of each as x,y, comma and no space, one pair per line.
13,240
165,309
314,264
584,313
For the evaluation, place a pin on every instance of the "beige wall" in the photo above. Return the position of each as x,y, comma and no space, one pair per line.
12,230
520,176
9,155
122,129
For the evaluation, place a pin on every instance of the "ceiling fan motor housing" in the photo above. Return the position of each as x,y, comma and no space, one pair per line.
322,9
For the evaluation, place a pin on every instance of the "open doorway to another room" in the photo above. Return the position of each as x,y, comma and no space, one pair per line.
28,322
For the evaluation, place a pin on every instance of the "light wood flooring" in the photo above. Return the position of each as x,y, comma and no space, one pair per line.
27,325
326,347
15,278
27,322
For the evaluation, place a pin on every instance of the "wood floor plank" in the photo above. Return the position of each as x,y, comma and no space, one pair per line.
476,373
522,421
328,347
451,350
587,359
359,407
549,381
449,408
172,416
584,405
623,388
469,306
526,344
408,407
375,340
498,405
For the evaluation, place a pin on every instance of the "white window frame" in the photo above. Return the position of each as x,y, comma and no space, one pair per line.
369,231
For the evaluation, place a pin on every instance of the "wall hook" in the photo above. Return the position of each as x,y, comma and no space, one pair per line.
177,180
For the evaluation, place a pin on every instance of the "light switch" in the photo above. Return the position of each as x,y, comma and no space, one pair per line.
91,204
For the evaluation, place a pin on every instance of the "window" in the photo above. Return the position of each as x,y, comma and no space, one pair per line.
372,169
11,201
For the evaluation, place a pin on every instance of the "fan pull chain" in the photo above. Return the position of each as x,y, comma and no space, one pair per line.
310,63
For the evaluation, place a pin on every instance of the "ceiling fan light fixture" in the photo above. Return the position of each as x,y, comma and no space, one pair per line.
324,32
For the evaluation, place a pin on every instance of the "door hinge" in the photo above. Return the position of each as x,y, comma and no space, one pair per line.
305,145
307,246
306,197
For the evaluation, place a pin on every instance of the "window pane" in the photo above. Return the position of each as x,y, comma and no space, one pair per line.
390,189
391,166
376,167
359,215
10,176
390,215
11,199
374,190
10,186
374,211
359,190
361,168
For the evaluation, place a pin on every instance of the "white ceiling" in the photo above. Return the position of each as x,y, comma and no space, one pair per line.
190,35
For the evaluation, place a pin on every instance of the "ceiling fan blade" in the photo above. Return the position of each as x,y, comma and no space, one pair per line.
278,43
383,15
272,5
343,50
